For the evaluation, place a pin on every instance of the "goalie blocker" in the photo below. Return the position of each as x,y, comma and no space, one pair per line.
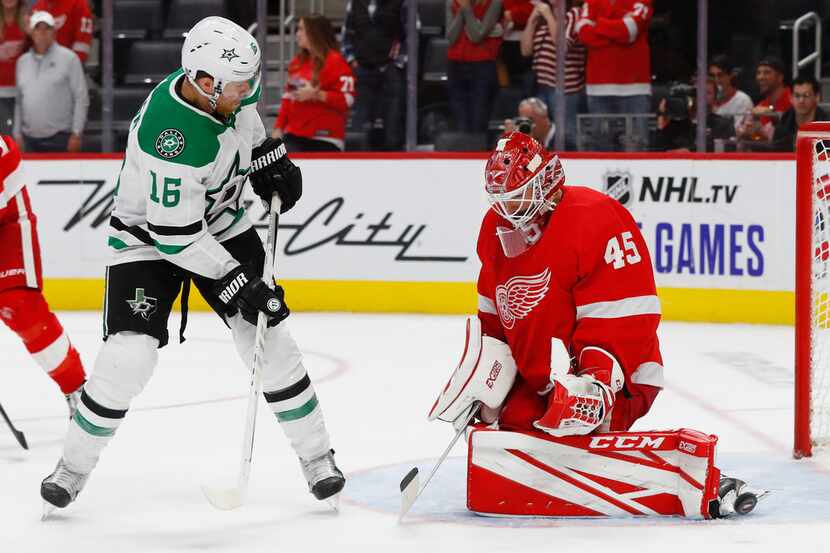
619,474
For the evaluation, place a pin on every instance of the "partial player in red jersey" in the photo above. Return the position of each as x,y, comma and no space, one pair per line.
565,345
73,24
319,93
22,305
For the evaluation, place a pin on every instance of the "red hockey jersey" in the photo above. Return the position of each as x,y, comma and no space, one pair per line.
12,46
11,177
318,120
588,281
73,24
616,35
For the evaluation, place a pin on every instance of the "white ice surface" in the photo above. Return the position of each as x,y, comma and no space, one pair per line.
376,378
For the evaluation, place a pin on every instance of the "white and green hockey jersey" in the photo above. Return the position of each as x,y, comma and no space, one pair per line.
179,191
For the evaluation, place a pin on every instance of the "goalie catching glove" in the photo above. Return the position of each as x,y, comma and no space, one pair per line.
579,403
485,374
272,171
240,289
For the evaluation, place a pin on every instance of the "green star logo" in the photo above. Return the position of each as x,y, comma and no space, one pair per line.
142,304
225,197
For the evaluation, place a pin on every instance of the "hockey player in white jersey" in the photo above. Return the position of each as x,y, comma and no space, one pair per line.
177,218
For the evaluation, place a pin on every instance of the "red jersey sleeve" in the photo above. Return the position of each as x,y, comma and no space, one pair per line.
337,81
520,11
625,30
487,312
80,20
586,26
616,301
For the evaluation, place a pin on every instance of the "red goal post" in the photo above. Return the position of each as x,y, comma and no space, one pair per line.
812,289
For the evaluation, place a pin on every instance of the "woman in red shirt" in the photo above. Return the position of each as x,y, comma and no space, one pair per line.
14,18
475,35
319,93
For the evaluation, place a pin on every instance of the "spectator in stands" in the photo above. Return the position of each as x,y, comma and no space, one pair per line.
73,24
319,92
777,99
475,34
374,44
806,96
677,120
729,101
52,99
539,40
615,32
14,20
534,120
517,14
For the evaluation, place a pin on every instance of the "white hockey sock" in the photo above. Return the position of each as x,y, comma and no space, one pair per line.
296,408
122,368
287,387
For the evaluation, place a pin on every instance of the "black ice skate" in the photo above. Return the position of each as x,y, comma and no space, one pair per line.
325,480
735,497
60,488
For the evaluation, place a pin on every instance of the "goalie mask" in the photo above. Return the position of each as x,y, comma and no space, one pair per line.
521,178
227,53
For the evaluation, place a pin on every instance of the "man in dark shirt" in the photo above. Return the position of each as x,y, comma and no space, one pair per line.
374,43
805,100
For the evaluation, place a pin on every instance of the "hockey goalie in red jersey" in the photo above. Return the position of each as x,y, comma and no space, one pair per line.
22,305
563,358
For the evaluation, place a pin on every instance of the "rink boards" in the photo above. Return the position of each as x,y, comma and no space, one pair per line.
398,233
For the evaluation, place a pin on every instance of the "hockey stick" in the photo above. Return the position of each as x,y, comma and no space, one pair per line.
410,491
227,499
18,435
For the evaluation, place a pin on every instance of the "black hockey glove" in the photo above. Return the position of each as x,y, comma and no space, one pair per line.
242,290
272,171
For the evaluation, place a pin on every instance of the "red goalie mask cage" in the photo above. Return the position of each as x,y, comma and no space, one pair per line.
812,290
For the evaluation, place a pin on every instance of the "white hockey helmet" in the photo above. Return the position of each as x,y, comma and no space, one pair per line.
223,50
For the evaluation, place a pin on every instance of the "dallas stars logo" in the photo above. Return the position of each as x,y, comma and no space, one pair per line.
170,143
229,55
143,305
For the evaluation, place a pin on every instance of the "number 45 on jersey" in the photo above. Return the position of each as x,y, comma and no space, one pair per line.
621,251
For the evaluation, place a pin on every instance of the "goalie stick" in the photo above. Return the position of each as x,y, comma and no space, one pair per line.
410,491
18,435
227,499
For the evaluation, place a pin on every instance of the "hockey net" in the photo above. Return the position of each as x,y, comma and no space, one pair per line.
812,290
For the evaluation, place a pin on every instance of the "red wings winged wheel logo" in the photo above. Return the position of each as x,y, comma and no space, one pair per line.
517,297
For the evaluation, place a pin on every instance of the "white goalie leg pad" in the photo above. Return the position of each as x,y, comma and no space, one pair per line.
122,369
618,474
286,386
485,373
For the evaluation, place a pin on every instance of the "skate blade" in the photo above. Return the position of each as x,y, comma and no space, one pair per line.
334,502
224,499
48,509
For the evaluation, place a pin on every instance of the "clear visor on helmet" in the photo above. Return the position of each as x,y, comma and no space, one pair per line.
243,89
521,206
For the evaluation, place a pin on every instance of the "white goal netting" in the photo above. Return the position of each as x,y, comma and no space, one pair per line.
820,297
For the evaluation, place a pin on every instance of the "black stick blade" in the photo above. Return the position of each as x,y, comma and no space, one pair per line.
408,478
21,439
